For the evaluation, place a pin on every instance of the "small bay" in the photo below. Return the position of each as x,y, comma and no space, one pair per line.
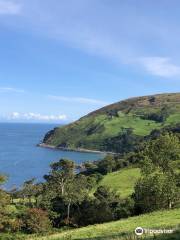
22,160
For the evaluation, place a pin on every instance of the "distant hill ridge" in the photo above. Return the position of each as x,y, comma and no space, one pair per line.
107,127
145,101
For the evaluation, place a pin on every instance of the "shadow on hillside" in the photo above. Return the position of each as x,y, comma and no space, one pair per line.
174,236
118,236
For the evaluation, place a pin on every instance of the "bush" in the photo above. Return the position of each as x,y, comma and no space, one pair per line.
4,202
13,225
155,192
36,221
159,116
124,209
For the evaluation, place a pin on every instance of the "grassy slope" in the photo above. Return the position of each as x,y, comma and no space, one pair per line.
120,229
90,131
122,181
105,128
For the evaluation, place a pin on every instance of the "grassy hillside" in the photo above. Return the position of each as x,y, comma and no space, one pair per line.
122,181
141,115
122,229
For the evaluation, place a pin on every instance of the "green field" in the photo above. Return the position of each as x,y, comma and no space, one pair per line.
122,181
122,229
104,128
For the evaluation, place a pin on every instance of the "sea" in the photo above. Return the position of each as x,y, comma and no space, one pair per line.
20,157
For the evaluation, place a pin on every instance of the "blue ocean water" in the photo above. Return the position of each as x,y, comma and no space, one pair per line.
22,160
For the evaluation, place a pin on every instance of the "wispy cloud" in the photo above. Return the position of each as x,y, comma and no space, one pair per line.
160,66
8,7
78,100
11,89
112,33
35,117
116,42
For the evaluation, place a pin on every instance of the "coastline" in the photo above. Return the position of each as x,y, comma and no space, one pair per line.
82,150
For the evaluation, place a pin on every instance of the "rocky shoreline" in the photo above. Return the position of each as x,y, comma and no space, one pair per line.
73,149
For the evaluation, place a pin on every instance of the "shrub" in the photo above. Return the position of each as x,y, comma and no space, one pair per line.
155,192
4,202
124,209
36,221
13,225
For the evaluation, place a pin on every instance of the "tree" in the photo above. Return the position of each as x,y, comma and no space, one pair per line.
125,142
64,188
124,208
154,192
60,174
101,208
107,165
158,188
28,190
161,152
36,221
76,192
159,116
4,201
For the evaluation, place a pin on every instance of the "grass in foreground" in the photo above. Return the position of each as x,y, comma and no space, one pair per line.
122,229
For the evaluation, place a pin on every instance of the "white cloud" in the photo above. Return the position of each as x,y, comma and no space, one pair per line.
160,66
35,117
78,100
9,7
14,115
10,89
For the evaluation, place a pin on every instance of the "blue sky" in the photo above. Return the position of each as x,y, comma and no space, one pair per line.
62,59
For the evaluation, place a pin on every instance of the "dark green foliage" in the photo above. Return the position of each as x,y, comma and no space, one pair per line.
159,116
97,210
124,208
94,179
60,174
4,202
123,143
158,187
155,192
63,190
160,153
174,129
107,165
94,128
113,113
106,206
30,191
111,163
